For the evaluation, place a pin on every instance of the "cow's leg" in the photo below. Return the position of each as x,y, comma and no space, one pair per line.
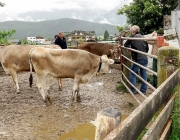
76,90
78,98
46,87
60,84
41,84
72,98
15,80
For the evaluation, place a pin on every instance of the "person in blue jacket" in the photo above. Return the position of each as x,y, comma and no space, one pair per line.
61,40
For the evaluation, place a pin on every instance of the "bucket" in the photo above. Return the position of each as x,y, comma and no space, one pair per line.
160,41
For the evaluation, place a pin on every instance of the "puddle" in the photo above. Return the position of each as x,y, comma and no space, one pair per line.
81,132
123,117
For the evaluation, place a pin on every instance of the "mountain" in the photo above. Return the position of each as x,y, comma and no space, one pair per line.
111,17
87,13
49,28
98,15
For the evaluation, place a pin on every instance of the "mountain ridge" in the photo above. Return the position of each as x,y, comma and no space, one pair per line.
49,28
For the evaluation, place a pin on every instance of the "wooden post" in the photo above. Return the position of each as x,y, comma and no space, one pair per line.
107,120
168,62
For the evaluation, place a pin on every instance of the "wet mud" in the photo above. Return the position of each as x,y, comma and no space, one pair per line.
25,116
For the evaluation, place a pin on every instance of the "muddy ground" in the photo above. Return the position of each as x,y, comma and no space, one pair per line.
24,116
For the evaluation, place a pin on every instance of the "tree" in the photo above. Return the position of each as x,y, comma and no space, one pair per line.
2,4
106,35
4,34
121,28
24,41
147,14
80,40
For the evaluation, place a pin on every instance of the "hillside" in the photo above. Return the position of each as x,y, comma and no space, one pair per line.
49,28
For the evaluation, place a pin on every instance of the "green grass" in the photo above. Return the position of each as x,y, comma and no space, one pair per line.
121,87
175,134
130,104
142,134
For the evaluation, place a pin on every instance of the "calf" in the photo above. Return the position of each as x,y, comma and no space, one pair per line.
101,49
14,59
71,63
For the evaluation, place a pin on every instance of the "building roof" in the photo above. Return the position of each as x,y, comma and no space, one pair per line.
39,37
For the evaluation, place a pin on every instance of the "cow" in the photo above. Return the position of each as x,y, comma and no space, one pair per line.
14,59
100,49
77,64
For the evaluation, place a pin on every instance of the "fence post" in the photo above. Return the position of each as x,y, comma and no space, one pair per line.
107,120
168,62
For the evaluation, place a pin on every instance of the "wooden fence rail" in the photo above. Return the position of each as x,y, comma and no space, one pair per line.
135,123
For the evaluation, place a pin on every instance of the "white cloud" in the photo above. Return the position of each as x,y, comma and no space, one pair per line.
13,9
104,21
21,6
75,16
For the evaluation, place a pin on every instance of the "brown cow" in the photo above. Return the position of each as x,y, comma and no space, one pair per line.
14,59
101,49
70,63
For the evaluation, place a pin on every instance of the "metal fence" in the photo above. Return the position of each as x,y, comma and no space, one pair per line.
124,78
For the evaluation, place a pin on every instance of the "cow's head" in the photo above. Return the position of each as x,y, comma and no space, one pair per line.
105,68
115,52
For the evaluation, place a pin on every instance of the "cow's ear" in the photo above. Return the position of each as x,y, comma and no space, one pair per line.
111,61
111,50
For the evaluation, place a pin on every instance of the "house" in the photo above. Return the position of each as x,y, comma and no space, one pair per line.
36,40
31,39
79,34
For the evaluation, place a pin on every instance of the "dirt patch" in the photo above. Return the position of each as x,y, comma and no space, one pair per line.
24,116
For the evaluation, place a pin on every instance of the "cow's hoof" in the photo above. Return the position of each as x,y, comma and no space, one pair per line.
71,104
78,99
16,92
48,101
60,89
72,99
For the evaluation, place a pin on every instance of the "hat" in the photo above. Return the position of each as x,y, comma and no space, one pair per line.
160,31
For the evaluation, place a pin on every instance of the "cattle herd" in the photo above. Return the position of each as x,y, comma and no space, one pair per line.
49,61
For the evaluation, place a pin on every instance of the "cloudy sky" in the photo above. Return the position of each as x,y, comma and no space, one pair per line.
14,8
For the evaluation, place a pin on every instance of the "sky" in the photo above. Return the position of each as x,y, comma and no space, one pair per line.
15,7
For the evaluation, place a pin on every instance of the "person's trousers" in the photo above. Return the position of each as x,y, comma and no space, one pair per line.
143,74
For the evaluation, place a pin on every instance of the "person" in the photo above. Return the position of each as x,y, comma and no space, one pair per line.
138,58
122,34
61,40
53,41
154,35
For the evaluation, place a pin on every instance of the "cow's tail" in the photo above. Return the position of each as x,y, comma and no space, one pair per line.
30,77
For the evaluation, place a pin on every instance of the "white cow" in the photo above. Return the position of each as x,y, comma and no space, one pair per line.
14,59
70,63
